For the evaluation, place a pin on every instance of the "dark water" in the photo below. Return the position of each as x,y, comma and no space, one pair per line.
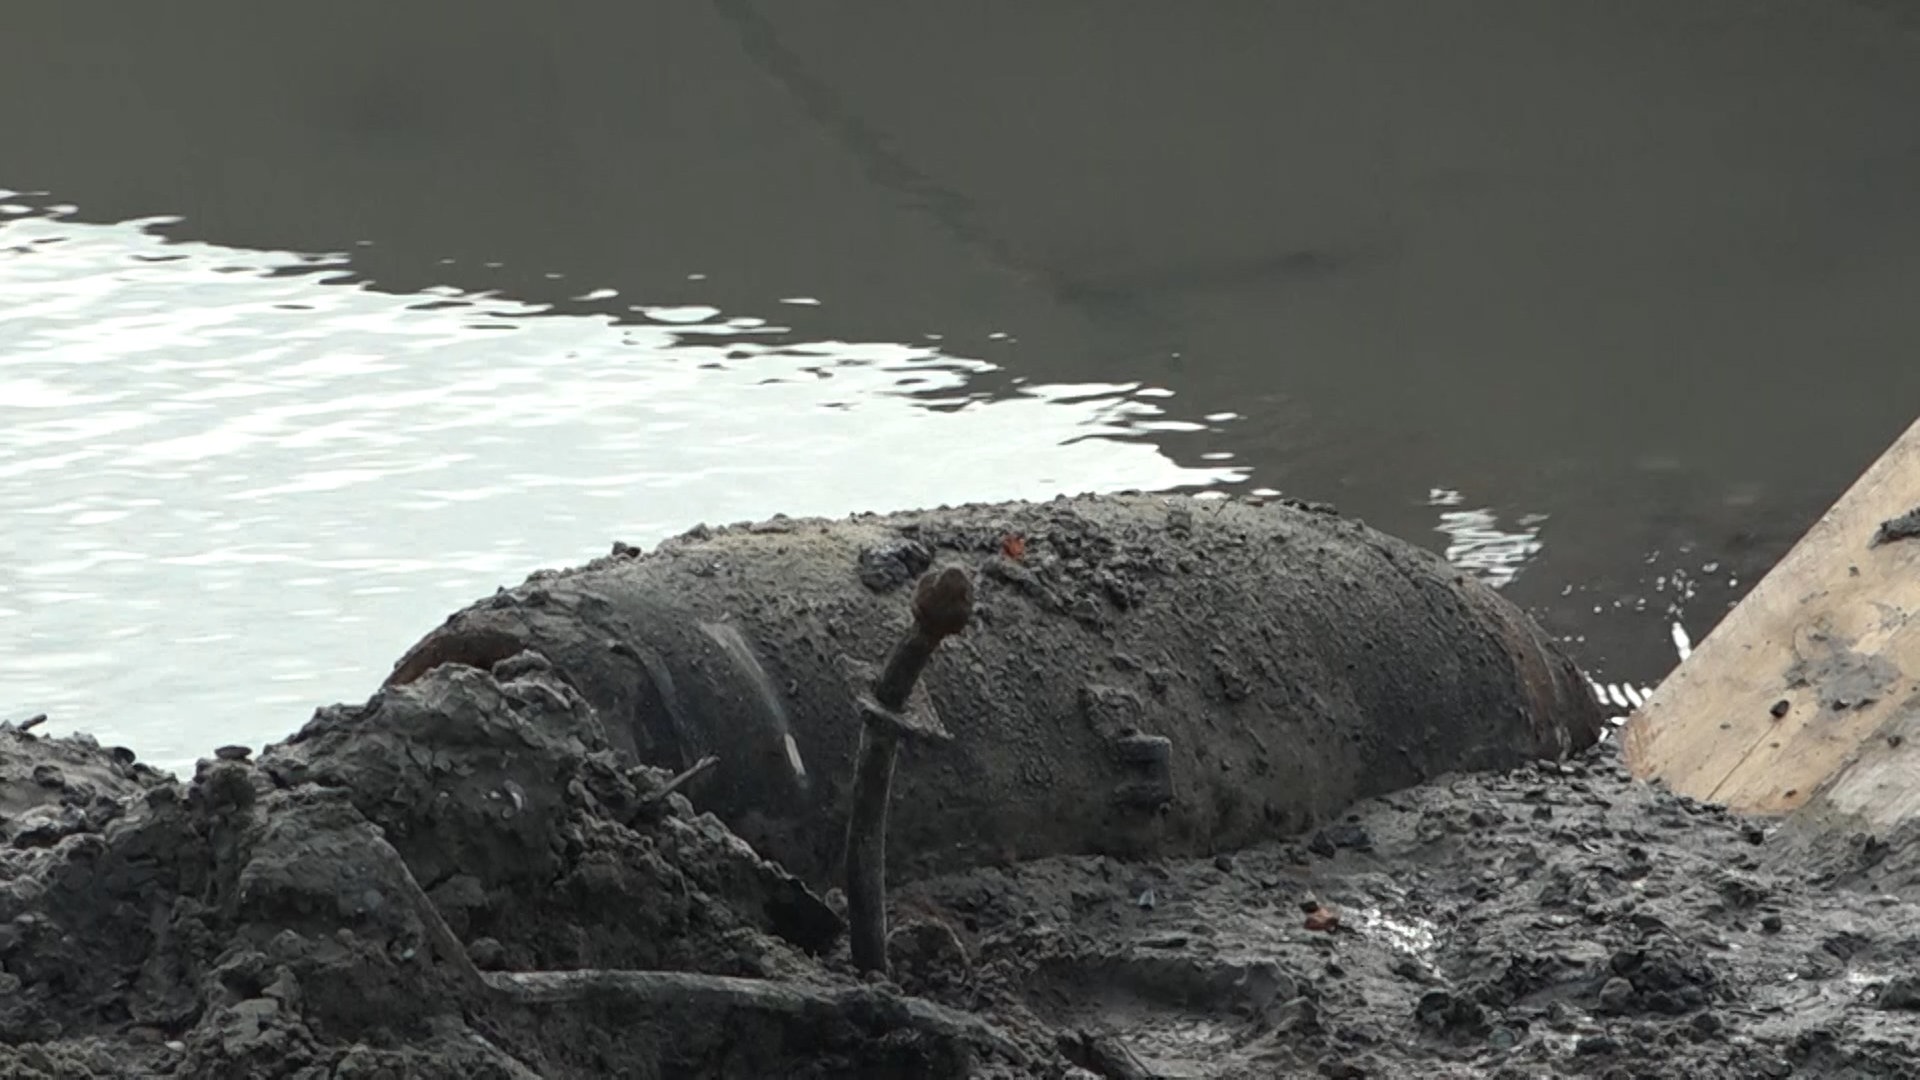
1608,300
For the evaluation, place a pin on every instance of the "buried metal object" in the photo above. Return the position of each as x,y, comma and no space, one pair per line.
1142,675
942,604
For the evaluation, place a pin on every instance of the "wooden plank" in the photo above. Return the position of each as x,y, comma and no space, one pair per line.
1832,633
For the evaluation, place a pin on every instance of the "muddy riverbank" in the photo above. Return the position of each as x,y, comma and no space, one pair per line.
1553,920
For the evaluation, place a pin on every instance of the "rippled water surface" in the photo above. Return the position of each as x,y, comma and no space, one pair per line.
237,485
319,321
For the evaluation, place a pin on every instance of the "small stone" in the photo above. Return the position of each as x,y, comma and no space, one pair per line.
893,564
486,953
1334,1068
1753,834
1146,900
927,951
1771,923
1616,995
1707,1023
1780,708
1223,863
1597,1044
1349,834
1900,993
49,776
233,753
1443,1011
1296,1016
1410,969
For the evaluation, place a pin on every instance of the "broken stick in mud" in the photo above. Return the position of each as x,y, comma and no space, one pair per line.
691,773
942,604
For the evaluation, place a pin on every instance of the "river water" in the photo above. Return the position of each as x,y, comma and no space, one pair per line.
317,323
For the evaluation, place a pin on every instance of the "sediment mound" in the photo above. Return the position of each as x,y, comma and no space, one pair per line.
279,917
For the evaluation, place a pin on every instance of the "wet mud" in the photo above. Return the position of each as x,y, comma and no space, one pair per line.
1557,919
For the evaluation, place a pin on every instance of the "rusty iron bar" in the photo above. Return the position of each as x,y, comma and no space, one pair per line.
942,606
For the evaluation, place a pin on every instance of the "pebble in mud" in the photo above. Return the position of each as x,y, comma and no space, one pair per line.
1900,993
1597,1044
893,565
1334,1068
926,953
1616,995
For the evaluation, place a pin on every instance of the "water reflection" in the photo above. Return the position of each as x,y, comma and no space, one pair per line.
1475,540
238,483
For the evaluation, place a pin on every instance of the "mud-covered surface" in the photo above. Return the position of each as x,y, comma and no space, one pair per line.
1286,660
256,921
1556,920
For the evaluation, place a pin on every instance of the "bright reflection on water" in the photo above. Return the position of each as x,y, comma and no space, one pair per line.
236,486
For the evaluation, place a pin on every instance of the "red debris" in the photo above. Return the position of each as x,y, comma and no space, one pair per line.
1323,919
1013,546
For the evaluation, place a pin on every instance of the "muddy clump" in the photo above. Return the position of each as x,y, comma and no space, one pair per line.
260,920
